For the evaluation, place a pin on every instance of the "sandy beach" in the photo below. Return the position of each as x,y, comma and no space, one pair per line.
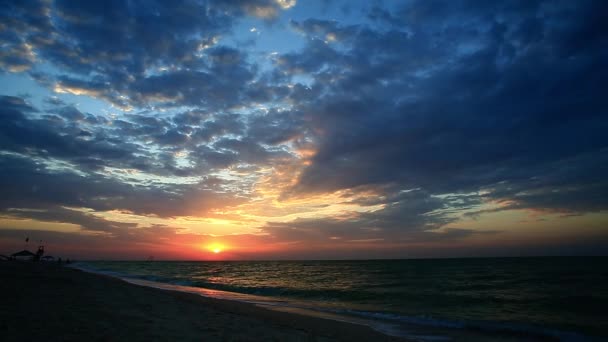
53,303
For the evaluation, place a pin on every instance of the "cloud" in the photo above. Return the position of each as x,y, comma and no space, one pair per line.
276,127
93,143
63,215
412,216
24,25
458,103
135,54
51,136
33,185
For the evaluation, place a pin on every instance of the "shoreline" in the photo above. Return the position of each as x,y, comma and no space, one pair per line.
381,318
46,301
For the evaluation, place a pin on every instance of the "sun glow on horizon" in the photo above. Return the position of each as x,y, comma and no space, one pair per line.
216,248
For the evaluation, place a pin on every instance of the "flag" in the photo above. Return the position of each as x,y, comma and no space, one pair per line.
27,239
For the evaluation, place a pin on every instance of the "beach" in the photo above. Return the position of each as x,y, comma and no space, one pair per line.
41,301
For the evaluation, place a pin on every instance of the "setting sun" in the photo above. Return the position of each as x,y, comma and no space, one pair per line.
216,248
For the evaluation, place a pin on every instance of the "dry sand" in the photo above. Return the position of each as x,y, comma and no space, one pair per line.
47,302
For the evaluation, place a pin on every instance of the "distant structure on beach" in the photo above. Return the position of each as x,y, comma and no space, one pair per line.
39,253
24,255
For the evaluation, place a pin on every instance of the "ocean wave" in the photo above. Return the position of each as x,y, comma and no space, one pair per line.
397,297
503,328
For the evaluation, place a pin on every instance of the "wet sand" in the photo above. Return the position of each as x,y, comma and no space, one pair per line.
52,303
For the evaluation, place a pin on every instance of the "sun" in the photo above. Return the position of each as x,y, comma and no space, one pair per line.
216,248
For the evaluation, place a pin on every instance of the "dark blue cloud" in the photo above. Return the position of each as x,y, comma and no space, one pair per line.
29,184
52,136
134,53
92,143
483,97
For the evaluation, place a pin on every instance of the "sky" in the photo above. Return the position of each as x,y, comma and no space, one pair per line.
284,129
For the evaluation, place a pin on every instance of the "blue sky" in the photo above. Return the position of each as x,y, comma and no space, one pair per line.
317,129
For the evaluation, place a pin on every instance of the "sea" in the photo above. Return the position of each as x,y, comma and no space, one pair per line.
469,299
